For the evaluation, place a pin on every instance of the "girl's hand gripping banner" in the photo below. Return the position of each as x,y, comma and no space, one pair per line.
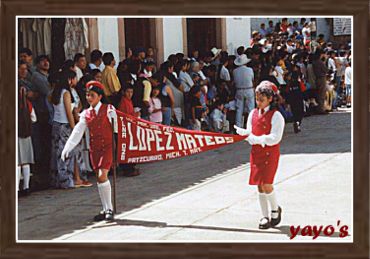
141,141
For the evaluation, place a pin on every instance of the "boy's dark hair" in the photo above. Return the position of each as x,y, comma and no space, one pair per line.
21,62
95,55
25,50
108,58
40,58
95,71
134,66
149,63
158,76
78,56
240,50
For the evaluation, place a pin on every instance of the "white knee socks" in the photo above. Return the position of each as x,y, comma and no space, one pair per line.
26,176
18,177
263,204
271,197
105,193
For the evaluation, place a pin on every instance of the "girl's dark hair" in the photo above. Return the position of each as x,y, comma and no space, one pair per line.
61,84
67,65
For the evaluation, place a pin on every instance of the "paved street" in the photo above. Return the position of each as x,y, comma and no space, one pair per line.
206,197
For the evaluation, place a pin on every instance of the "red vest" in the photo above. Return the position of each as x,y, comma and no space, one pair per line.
264,160
100,130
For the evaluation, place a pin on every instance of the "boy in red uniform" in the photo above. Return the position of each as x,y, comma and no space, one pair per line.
265,127
98,119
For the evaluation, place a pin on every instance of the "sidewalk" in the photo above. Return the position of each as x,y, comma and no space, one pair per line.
312,189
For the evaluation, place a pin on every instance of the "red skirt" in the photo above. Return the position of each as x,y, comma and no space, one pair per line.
102,158
264,163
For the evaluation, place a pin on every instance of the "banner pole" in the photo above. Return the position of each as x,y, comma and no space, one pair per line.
114,168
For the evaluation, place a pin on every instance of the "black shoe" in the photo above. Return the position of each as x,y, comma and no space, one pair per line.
265,225
100,216
295,127
109,216
24,193
276,221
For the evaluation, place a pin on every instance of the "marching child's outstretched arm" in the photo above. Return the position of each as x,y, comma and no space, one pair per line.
75,138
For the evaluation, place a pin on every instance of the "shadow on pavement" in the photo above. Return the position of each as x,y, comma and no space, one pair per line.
49,214
285,229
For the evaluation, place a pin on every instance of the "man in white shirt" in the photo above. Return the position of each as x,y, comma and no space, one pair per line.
243,79
96,61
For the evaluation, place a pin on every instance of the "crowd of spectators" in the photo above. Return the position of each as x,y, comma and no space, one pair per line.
201,91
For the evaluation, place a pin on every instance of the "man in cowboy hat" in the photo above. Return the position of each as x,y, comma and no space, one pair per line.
243,78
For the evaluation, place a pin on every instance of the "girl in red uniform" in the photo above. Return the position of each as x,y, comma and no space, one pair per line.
265,127
98,119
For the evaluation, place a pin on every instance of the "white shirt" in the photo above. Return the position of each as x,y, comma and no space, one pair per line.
347,76
186,81
60,114
306,32
217,115
280,75
243,77
79,73
291,48
93,66
277,127
331,65
225,74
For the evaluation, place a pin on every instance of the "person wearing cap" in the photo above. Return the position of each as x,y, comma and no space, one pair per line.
264,132
97,118
243,79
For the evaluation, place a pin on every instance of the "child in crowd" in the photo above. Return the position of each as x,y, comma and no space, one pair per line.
155,106
218,118
196,108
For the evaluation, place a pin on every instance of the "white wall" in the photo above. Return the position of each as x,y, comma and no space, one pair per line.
238,31
108,36
172,36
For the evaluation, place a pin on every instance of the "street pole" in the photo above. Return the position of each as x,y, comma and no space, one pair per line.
114,168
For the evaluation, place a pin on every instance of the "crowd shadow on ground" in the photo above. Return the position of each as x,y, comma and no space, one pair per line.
52,213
